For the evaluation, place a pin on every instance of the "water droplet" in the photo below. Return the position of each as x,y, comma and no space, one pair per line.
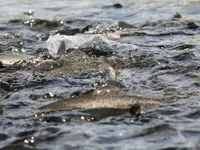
98,92
51,94
32,141
26,141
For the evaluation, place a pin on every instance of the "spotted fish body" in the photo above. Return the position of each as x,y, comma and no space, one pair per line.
102,98
10,59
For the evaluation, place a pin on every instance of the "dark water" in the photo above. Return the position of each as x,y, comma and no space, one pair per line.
166,64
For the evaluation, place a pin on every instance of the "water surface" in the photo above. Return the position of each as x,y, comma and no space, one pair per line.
166,64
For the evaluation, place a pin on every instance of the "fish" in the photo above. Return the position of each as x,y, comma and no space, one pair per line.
104,97
9,59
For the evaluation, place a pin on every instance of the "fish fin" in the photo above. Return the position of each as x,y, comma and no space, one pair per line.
62,47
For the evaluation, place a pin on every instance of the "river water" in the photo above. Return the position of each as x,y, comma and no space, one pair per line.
166,65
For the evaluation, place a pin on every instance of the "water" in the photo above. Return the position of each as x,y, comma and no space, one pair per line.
165,65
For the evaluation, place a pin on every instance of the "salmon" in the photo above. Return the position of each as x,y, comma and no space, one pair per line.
10,59
105,97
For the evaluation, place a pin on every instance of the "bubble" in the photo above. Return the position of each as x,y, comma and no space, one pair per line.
32,141
95,84
51,94
103,85
26,141
142,112
98,92
23,50
120,134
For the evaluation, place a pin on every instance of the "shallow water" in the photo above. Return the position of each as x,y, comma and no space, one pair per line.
165,64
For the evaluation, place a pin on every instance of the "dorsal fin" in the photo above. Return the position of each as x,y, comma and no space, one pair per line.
62,48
